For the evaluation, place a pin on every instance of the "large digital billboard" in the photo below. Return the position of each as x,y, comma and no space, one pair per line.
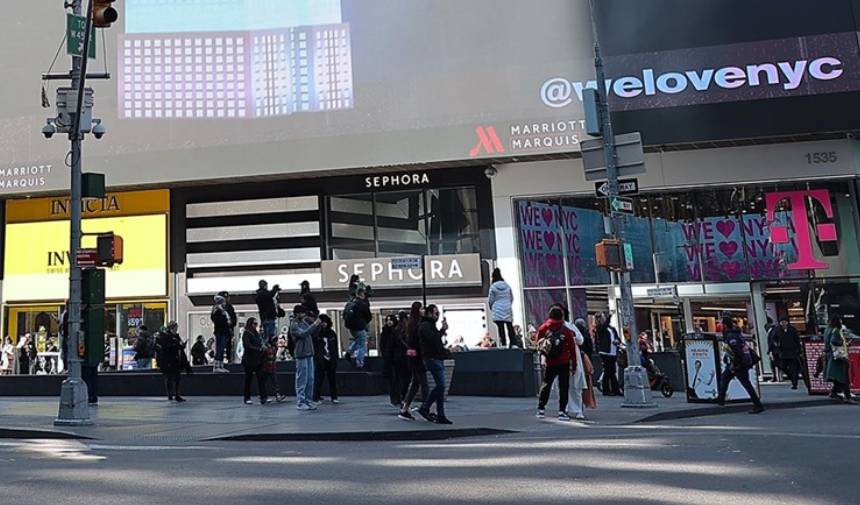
214,89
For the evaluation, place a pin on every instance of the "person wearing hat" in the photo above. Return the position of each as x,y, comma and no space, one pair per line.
325,360
307,299
303,330
231,311
169,348
268,308
222,323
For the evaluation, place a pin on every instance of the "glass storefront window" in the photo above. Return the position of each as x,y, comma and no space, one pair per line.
403,223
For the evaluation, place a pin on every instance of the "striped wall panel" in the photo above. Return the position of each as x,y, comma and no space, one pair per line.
234,235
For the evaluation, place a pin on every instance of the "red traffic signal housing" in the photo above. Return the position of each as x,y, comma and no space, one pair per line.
109,248
104,14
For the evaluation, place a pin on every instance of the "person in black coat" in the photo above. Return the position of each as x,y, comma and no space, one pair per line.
587,346
787,342
252,361
268,308
222,328
169,350
326,354
393,352
306,298
417,372
608,344
144,348
231,312
434,354
198,352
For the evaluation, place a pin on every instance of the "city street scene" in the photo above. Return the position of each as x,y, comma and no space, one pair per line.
430,251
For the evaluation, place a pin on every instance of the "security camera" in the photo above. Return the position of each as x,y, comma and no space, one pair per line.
49,130
99,129
490,172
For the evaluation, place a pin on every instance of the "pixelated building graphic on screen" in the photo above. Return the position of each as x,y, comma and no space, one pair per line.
222,59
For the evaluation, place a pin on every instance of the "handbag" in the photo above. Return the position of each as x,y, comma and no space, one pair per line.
839,352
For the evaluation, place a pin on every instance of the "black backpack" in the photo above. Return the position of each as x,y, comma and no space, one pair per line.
551,345
349,314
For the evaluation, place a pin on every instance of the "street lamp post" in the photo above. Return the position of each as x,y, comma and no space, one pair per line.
637,389
73,393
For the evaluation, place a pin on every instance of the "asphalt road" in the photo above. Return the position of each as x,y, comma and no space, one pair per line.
798,456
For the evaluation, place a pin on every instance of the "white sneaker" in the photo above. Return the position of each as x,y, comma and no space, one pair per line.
580,417
303,406
335,401
312,405
221,369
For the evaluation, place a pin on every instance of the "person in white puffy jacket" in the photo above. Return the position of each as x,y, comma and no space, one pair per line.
500,300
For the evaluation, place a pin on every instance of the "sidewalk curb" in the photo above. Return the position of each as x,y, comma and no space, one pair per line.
731,409
363,436
40,434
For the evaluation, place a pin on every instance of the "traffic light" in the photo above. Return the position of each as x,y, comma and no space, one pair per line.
91,346
103,13
109,247
610,255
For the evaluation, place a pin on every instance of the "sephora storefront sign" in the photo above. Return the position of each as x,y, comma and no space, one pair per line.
442,270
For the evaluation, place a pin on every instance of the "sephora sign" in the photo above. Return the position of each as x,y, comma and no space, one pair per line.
441,270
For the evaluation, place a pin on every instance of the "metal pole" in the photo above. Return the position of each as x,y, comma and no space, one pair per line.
424,279
637,389
73,393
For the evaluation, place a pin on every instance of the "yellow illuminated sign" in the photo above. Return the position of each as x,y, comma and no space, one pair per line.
113,204
37,258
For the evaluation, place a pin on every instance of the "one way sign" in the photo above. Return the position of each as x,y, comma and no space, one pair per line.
625,187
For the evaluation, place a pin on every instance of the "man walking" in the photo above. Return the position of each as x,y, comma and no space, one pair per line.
434,353
788,343
144,348
607,346
303,330
356,317
222,325
325,359
268,308
741,361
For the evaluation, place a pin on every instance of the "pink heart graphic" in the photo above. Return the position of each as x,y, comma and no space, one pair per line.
547,216
729,248
726,228
731,269
552,262
549,239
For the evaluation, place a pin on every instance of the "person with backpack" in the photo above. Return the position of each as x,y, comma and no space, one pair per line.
356,317
556,343
268,308
302,331
307,299
741,360
169,351
326,355
144,348
417,372
222,329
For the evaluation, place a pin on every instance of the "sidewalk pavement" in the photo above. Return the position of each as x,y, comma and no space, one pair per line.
155,421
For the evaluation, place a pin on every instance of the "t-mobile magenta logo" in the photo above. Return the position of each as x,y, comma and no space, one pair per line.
806,259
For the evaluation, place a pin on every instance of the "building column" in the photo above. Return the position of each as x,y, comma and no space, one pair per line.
688,315
759,321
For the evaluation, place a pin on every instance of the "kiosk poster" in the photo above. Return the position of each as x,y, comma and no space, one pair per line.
702,376
815,385
736,391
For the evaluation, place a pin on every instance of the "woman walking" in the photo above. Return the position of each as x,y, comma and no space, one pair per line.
837,339
500,299
416,366
252,360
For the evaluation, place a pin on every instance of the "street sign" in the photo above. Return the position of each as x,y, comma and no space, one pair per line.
621,204
625,187
670,292
629,155
628,256
406,263
88,257
75,28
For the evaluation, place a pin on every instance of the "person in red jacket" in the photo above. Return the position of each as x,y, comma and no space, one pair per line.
556,343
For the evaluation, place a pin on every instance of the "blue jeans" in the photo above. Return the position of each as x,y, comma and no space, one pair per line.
304,379
436,367
220,344
144,363
358,347
269,330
